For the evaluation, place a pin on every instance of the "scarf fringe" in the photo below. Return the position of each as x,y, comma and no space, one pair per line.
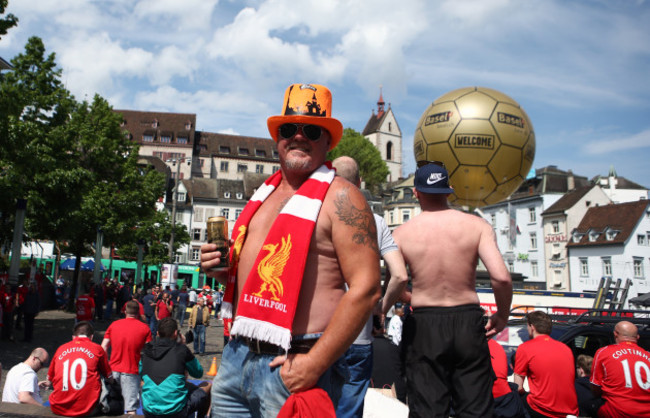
261,330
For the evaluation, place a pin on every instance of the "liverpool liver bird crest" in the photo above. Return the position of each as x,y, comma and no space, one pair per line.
271,267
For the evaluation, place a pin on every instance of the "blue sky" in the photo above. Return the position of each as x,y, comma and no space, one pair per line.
580,69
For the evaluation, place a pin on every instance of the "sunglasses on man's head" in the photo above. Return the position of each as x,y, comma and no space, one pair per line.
311,132
422,163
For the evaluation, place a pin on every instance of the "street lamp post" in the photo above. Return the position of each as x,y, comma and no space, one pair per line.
177,162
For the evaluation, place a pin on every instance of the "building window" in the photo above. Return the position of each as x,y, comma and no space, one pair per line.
406,215
389,151
259,168
260,153
147,138
223,166
226,195
556,227
243,151
532,216
242,168
225,212
534,269
641,239
493,220
181,140
166,139
638,268
533,240
239,195
196,252
511,266
584,267
607,266
275,168
237,213
198,214
196,234
391,218
224,149
180,196
275,154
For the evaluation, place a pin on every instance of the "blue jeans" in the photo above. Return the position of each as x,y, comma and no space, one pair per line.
199,339
246,386
108,313
359,361
182,310
153,325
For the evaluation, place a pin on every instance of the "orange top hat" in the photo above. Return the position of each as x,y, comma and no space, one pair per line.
307,104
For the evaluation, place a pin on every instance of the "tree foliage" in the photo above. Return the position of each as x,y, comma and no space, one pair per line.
372,168
7,21
70,160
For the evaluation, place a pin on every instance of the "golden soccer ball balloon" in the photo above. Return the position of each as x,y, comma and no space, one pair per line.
484,138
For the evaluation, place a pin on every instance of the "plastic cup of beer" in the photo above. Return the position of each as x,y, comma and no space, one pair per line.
218,234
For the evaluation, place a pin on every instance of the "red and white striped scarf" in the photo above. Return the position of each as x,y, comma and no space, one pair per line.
268,302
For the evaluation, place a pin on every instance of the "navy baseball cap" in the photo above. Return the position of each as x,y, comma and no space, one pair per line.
432,178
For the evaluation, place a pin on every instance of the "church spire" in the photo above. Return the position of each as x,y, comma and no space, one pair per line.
380,103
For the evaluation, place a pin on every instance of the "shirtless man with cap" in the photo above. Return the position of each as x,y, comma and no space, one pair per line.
445,339
276,267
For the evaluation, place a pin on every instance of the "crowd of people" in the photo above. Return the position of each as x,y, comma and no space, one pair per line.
304,312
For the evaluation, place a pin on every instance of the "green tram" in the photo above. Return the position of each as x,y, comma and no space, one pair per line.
122,270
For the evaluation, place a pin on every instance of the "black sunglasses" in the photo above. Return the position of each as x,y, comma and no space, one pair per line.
422,163
311,132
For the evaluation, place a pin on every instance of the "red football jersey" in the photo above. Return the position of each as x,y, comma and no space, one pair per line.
75,372
623,373
85,306
127,337
550,369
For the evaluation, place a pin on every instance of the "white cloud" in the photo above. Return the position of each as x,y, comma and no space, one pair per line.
617,143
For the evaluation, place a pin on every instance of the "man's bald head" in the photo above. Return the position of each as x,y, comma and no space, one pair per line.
626,331
347,168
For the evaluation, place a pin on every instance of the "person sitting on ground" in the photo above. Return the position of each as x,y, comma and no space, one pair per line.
583,386
75,374
621,375
21,385
507,402
163,365
548,365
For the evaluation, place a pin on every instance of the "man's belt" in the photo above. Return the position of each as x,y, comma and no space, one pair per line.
262,347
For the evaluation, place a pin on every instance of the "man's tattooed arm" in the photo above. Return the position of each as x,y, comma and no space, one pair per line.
360,218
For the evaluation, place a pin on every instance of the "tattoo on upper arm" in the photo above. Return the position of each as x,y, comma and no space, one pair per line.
361,219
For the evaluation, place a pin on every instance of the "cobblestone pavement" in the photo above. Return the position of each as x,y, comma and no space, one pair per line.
53,328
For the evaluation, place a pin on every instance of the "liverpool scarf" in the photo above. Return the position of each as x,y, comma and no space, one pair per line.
267,305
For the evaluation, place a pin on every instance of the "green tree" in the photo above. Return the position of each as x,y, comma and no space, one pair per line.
372,168
34,105
71,160
155,232
8,21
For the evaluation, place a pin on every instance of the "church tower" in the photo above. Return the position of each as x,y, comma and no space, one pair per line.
383,132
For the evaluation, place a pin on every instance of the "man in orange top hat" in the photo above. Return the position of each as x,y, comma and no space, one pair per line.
303,235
